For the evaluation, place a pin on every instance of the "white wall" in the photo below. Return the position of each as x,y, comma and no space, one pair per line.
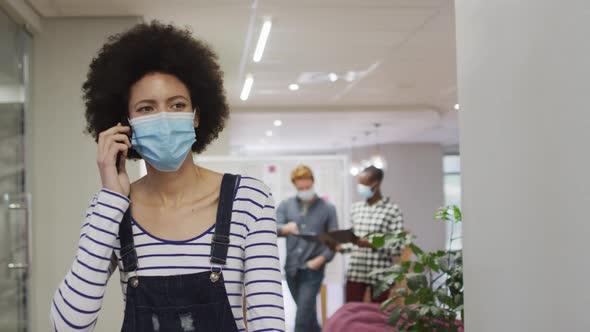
61,164
414,180
523,88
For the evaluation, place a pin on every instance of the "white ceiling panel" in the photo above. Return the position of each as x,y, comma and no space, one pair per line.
325,131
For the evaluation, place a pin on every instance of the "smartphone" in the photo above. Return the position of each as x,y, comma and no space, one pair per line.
118,161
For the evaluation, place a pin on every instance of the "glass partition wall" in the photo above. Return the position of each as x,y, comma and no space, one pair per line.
14,201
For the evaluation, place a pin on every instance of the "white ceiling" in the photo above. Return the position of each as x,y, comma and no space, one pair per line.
407,47
326,131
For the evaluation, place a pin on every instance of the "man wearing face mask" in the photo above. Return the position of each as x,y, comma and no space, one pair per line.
305,213
374,214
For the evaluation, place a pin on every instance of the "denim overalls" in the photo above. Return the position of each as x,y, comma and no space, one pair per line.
181,303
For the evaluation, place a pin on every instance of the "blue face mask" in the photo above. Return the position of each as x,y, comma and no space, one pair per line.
164,139
364,191
306,195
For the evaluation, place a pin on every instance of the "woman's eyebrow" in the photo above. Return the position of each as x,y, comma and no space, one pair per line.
147,101
152,101
176,97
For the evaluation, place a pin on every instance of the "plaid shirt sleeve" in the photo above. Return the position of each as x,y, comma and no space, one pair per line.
394,225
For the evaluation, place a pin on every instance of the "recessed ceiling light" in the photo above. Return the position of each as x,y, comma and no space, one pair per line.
247,87
269,133
278,123
350,76
264,32
333,77
457,107
293,87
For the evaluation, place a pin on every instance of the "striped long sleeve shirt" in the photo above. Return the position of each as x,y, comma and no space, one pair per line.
252,269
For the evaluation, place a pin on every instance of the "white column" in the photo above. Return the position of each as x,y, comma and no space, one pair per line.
62,160
523,73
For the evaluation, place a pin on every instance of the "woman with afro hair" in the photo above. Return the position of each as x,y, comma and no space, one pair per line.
196,250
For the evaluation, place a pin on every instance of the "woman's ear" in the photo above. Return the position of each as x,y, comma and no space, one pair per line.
197,116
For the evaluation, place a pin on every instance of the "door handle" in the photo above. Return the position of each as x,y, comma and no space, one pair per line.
17,266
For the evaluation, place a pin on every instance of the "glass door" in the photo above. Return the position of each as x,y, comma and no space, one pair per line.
15,262
14,201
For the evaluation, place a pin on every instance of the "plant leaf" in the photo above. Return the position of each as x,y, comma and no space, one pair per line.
402,291
415,249
423,311
416,281
400,278
387,303
457,214
436,311
379,288
378,241
394,316
412,313
418,267
432,264
411,299
442,214
406,265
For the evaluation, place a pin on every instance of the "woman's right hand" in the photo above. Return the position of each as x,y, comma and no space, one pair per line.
110,143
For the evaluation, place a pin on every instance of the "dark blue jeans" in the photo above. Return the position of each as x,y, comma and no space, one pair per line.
304,287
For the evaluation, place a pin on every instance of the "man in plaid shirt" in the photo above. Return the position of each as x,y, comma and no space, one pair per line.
375,214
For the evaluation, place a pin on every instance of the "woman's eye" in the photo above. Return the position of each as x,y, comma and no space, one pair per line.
144,109
179,106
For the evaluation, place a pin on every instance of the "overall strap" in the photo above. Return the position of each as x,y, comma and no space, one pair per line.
128,253
220,241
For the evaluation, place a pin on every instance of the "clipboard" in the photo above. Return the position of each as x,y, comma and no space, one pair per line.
331,239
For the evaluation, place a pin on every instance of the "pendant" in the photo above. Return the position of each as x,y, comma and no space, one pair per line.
134,282
214,276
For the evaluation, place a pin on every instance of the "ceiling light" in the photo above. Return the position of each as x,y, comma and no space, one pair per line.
333,77
378,162
247,87
269,133
354,170
278,123
264,32
350,76
457,107
293,87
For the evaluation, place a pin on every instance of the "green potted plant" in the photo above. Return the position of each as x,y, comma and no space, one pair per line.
433,297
